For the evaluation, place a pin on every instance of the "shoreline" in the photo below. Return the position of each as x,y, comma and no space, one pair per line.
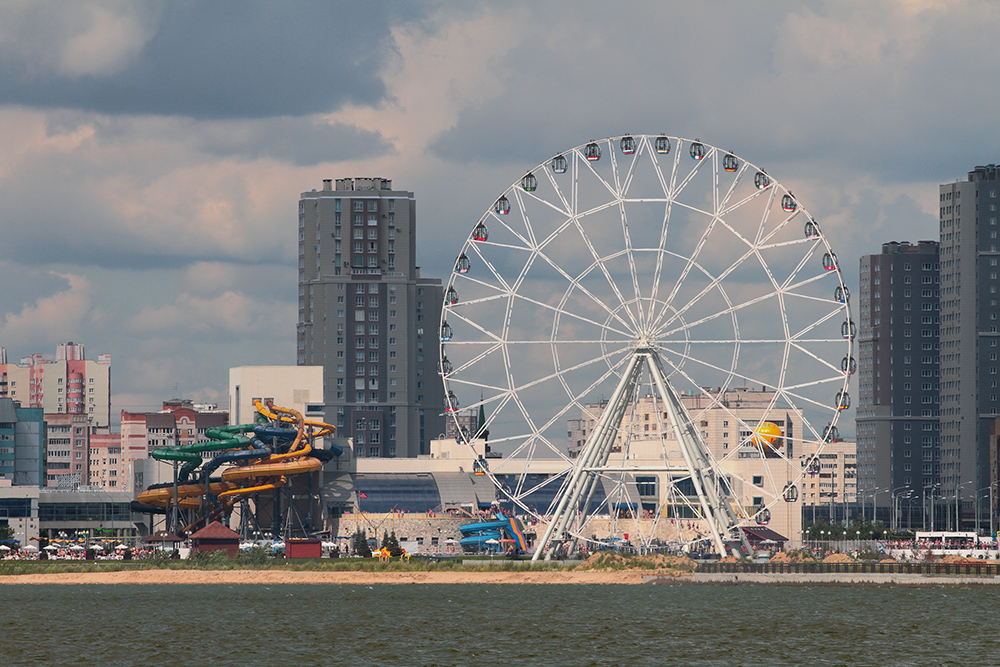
585,577
353,577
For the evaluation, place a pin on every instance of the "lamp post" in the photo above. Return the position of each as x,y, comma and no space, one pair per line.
875,493
923,499
896,497
992,534
979,506
958,494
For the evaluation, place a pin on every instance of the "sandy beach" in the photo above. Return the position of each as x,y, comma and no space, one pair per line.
366,578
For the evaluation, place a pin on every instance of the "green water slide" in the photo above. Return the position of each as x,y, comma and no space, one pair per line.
223,437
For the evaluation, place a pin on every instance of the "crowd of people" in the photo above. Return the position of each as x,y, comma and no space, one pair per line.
75,552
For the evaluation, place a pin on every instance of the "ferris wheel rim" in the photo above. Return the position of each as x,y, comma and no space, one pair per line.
624,325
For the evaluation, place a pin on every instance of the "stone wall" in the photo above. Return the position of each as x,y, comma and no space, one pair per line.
427,533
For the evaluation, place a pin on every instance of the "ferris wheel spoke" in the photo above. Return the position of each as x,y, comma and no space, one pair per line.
505,226
735,206
708,288
575,400
571,369
705,364
599,263
629,253
799,336
801,400
572,314
590,167
582,289
730,310
626,182
504,287
493,337
621,187
687,179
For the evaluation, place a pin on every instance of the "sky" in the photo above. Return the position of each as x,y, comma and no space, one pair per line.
152,153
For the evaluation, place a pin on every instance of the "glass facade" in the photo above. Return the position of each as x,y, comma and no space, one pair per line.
101,511
15,508
416,492
541,499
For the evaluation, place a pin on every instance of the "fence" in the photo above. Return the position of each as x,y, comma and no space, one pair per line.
978,569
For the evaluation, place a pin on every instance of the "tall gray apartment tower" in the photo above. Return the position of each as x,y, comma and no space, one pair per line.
970,397
368,318
898,349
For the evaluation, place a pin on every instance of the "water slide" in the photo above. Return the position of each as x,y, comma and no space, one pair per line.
476,535
259,462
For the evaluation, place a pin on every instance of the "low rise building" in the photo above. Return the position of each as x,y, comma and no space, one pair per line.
22,444
67,461
107,465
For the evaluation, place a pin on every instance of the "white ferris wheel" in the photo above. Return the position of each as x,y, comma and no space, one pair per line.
659,337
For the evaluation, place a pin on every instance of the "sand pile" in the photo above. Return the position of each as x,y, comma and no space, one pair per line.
795,556
729,559
838,558
888,560
954,558
614,561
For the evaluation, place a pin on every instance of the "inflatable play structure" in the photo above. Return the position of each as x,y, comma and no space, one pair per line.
254,458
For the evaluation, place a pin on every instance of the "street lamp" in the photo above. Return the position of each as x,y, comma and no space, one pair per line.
894,496
896,523
923,499
875,493
958,494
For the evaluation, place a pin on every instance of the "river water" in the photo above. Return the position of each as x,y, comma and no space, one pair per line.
445,625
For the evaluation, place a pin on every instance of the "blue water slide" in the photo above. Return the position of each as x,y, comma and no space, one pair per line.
265,431
259,451
478,542
494,526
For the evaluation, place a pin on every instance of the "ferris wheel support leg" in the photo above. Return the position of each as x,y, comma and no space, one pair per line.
595,453
722,520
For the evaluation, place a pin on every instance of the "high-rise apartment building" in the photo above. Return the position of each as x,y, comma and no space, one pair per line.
970,339
368,318
69,384
898,439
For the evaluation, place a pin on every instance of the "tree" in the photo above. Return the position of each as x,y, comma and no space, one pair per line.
360,544
393,545
6,532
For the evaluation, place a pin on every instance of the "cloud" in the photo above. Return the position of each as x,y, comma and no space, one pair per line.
59,316
202,59
222,316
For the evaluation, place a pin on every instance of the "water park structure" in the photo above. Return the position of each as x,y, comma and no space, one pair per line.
503,534
259,459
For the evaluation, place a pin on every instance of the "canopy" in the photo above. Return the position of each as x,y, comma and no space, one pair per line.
161,536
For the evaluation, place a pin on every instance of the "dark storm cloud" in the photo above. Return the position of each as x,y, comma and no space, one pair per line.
218,59
866,88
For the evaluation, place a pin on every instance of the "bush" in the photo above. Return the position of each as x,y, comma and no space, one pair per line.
254,556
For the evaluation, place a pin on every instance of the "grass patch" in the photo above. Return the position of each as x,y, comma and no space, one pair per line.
249,561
